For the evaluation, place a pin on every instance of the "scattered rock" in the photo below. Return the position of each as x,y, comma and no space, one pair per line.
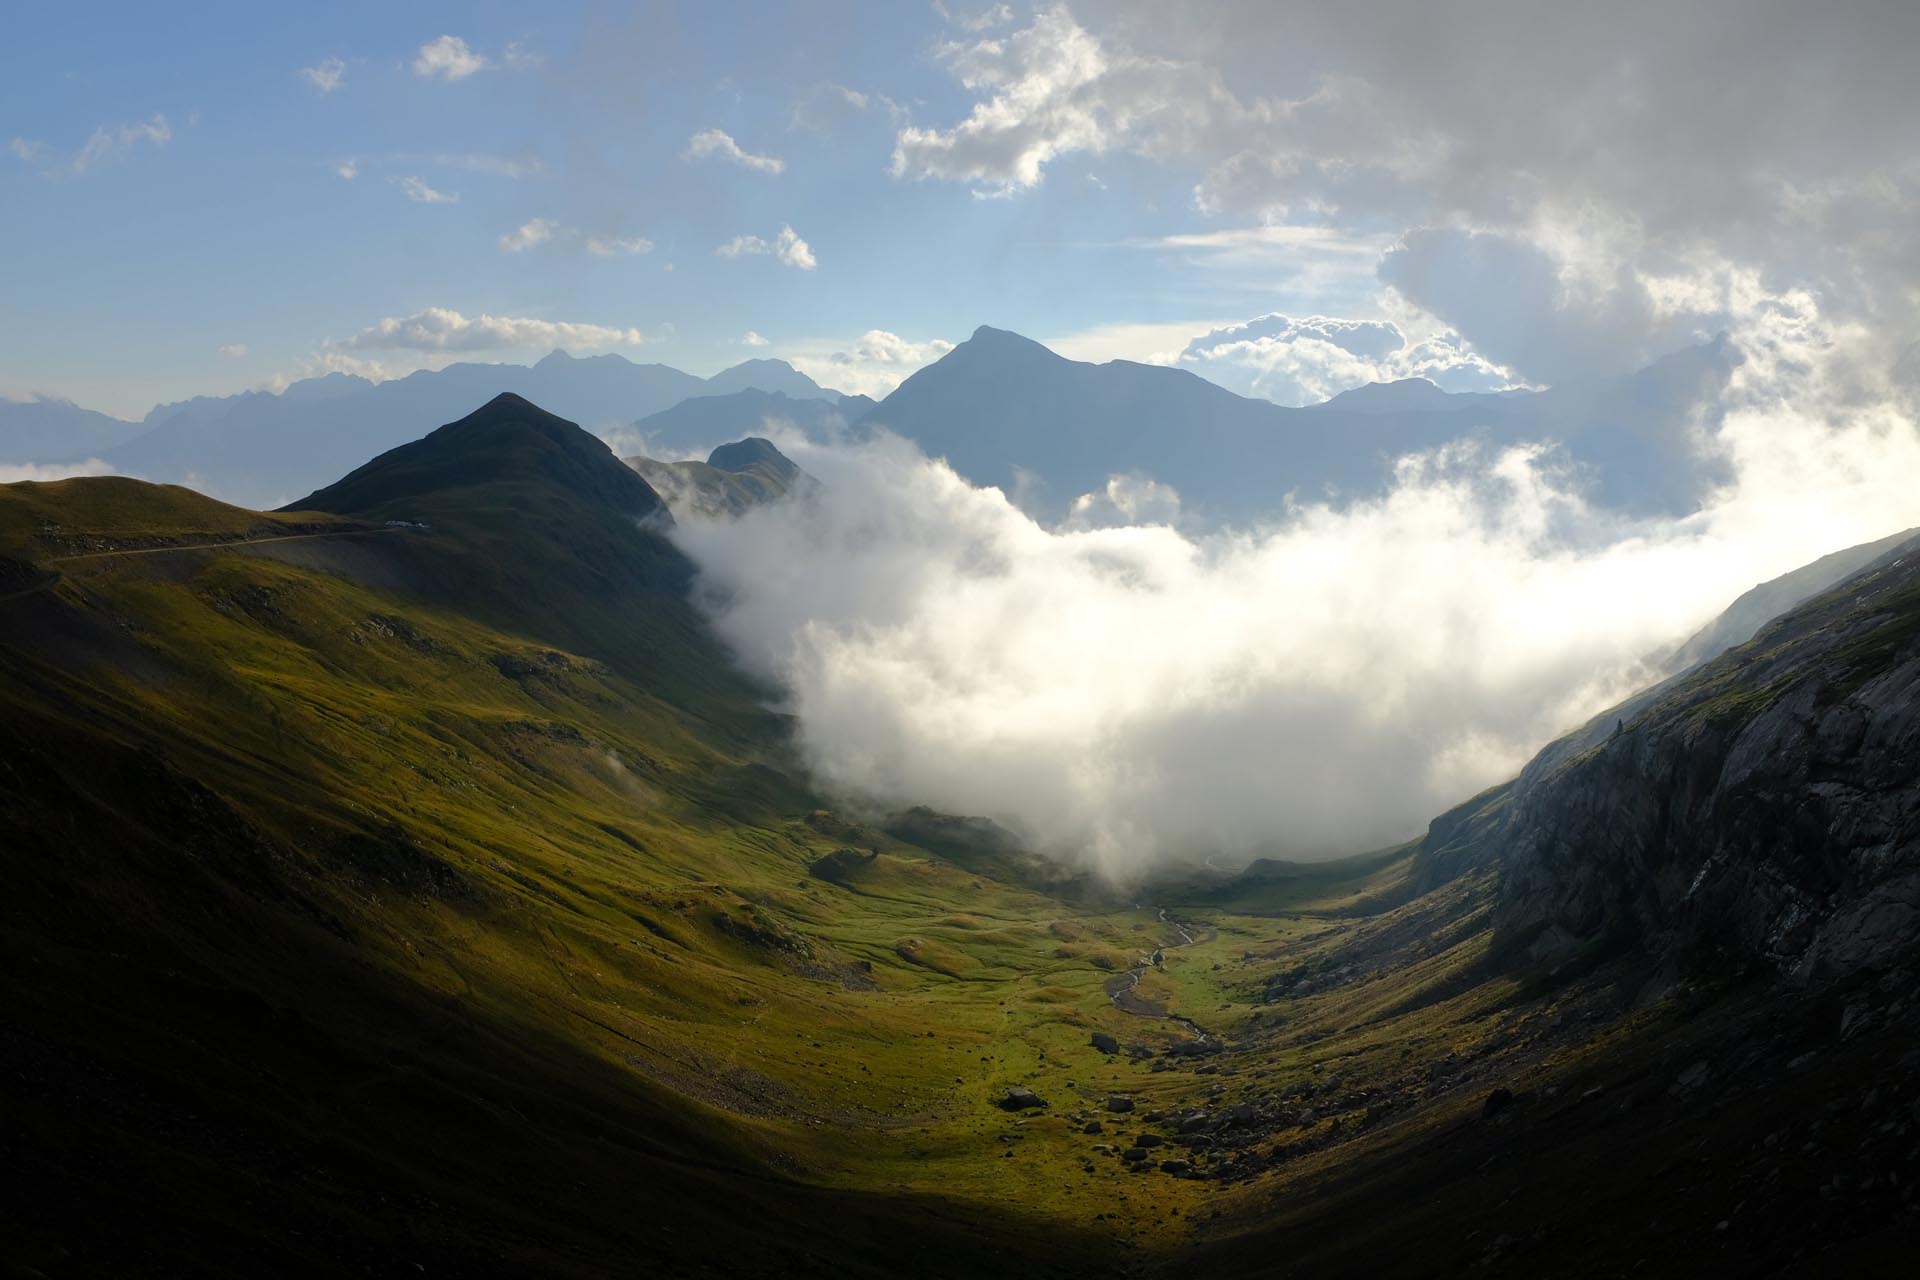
1119,1103
1497,1101
1020,1098
1104,1042
1175,1167
1145,1140
1092,1126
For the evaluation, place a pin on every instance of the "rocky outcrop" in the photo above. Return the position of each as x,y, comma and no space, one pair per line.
1763,807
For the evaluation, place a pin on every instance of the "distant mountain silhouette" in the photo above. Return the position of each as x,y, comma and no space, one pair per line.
698,422
1006,411
51,431
260,449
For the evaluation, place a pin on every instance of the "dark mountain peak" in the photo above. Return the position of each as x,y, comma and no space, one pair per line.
745,455
507,454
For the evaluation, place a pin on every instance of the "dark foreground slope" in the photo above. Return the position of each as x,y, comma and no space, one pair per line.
390,899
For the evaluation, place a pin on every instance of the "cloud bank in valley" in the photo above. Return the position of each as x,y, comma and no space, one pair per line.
1130,695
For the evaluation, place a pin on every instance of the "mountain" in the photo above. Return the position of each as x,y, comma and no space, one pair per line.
1006,411
735,478
55,431
261,448
768,375
1760,605
700,421
1761,809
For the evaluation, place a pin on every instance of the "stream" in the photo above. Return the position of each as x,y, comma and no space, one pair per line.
1123,988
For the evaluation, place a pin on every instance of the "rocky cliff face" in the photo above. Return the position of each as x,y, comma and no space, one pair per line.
1765,807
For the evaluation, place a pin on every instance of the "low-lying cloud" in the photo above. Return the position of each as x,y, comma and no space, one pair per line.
1131,695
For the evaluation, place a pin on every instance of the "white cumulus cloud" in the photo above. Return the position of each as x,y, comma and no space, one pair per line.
534,231
788,247
449,58
325,75
714,142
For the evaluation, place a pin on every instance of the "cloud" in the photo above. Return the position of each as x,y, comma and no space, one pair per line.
1126,694
535,231
22,149
325,75
788,247
713,142
792,250
752,339
443,329
1054,89
347,169
108,143
16,472
449,58
1308,359
233,350
826,105
418,191
1527,310
873,364
616,246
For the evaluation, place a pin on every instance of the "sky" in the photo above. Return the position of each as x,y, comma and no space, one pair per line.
230,196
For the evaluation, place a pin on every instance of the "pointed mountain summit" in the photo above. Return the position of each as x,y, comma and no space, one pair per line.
1005,410
509,453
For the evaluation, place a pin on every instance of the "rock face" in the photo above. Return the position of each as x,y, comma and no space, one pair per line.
1763,807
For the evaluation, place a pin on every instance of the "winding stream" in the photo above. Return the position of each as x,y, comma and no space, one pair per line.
1123,988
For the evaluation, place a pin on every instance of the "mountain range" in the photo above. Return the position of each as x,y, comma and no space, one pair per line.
1002,409
407,880
264,449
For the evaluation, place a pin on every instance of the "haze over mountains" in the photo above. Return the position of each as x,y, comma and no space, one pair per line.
1002,409
262,449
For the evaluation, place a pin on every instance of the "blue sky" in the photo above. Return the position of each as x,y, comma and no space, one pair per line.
200,199
238,230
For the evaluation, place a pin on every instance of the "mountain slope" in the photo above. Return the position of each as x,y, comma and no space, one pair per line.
735,478
1762,809
1756,607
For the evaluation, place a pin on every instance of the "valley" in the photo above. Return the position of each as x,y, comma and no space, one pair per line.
410,875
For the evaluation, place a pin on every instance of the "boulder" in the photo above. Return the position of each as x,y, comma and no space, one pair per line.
1020,1098
1119,1103
1104,1042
